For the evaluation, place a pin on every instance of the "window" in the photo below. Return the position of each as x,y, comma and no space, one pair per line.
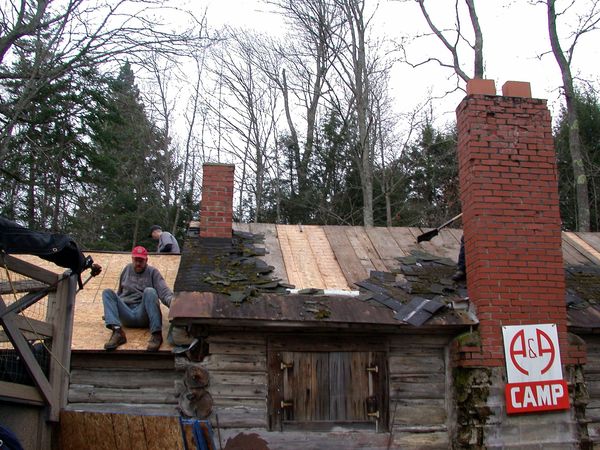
318,383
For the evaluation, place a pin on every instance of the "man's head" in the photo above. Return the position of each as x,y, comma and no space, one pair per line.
139,258
155,231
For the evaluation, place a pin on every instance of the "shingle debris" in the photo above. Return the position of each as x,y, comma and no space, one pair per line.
227,266
416,291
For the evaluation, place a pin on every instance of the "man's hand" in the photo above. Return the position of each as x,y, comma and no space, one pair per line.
96,269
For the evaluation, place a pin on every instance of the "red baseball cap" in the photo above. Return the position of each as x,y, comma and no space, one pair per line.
139,252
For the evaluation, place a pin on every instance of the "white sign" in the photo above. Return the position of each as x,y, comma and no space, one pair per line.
534,369
532,353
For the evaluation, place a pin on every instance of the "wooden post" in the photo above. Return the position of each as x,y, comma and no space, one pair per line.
62,322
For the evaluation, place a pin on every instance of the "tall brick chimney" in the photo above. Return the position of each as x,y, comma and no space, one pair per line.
510,203
216,213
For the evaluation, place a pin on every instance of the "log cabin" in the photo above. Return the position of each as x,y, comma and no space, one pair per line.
356,337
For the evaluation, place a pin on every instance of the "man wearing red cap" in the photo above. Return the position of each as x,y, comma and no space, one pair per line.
135,304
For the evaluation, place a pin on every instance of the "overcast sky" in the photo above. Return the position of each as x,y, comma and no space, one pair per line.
515,34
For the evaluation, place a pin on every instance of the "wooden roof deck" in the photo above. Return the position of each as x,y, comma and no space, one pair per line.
326,257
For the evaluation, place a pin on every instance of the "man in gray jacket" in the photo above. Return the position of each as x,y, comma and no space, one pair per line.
166,241
135,304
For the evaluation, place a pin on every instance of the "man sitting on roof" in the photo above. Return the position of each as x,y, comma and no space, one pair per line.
166,241
135,303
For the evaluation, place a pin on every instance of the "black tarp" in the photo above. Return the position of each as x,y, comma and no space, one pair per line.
60,249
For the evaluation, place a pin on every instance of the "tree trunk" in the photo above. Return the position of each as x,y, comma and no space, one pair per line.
575,149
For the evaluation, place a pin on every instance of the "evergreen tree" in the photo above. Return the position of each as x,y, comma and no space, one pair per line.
131,158
48,159
427,192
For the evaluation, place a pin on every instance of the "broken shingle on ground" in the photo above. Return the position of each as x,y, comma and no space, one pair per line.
416,291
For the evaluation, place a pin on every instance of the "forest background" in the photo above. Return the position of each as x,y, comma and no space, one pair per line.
109,108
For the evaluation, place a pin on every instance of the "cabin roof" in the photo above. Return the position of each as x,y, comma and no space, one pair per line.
385,264
333,258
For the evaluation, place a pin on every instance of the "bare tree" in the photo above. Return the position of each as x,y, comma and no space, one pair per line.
586,24
310,50
247,110
75,34
455,39
355,75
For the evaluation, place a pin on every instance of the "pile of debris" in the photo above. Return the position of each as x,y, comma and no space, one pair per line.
421,287
228,266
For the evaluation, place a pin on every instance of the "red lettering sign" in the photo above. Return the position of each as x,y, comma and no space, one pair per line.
536,396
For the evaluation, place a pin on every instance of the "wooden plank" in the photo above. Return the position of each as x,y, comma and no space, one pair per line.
404,343
126,379
583,247
29,270
405,239
239,226
300,262
137,435
327,263
328,343
419,412
62,318
162,432
592,241
32,329
275,389
242,417
571,255
233,378
349,263
446,244
239,348
247,338
274,256
100,431
124,408
73,431
238,401
117,361
416,364
240,363
79,393
242,390
386,246
20,392
364,249
121,431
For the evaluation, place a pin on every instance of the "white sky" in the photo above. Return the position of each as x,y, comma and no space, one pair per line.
514,33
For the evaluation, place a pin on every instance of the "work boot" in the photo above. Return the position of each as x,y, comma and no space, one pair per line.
118,338
154,342
459,275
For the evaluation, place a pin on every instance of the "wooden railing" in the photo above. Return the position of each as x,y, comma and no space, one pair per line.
19,328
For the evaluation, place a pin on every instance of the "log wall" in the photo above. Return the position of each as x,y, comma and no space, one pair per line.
592,379
123,383
418,395
237,366
419,391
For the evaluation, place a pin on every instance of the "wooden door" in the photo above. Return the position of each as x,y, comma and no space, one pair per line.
322,389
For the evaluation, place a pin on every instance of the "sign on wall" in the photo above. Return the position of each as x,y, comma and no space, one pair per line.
534,369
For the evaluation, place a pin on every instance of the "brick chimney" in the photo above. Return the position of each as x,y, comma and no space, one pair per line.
216,212
510,204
